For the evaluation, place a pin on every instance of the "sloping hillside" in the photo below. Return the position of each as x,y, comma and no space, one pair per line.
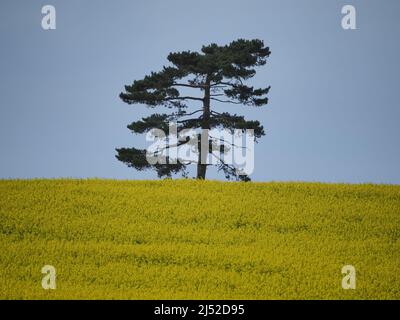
191,239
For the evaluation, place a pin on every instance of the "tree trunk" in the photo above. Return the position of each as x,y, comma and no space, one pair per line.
201,171
203,144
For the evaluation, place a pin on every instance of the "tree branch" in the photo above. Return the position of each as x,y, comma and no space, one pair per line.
217,95
186,120
226,101
224,141
183,98
224,84
188,85
192,113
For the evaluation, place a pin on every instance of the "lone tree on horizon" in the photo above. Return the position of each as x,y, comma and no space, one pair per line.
218,73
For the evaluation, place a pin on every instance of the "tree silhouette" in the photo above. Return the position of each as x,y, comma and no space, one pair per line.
218,73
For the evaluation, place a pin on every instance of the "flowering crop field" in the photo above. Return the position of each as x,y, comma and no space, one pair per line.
186,239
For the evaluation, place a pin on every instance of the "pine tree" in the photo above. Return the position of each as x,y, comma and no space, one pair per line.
218,73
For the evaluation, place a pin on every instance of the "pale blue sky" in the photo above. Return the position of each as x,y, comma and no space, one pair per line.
334,106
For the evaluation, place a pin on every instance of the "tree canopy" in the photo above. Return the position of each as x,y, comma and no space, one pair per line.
218,74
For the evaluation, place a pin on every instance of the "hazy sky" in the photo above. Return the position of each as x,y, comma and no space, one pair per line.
334,103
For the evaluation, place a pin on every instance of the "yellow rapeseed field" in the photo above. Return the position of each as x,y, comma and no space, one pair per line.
187,239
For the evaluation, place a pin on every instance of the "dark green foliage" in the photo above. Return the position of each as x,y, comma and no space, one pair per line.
218,74
136,158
